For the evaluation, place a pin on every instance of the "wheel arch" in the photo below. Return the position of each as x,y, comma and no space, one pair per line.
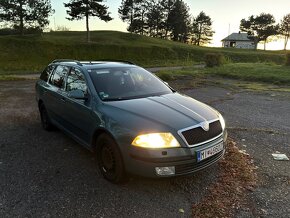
97,133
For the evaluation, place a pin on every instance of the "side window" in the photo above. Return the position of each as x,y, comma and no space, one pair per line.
47,71
76,80
58,77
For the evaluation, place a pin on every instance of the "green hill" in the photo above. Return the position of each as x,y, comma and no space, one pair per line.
32,53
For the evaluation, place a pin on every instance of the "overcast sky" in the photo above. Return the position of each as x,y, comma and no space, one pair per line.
226,15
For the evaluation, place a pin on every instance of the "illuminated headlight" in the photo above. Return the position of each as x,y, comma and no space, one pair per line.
156,140
223,123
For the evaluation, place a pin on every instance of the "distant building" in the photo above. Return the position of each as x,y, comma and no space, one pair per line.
238,40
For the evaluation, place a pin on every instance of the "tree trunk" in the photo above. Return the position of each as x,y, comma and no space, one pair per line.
88,29
21,17
199,35
265,44
286,42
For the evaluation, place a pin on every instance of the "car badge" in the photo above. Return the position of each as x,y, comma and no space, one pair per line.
205,125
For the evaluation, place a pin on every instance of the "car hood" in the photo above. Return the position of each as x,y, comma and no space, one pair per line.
171,111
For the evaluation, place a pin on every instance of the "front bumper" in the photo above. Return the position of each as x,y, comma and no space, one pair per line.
143,162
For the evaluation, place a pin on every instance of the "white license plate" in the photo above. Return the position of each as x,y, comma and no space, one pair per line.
206,153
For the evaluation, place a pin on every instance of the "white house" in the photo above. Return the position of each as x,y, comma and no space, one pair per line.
238,40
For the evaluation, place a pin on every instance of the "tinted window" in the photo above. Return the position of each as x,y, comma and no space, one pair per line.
45,74
58,77
76,80
126,83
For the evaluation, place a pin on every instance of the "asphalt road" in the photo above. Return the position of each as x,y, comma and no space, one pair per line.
46,174
260,124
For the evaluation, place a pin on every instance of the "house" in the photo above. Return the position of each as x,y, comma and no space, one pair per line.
239,40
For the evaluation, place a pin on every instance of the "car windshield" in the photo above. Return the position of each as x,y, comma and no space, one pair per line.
114,84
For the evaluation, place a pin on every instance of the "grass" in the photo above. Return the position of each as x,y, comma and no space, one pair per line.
32,52
255,72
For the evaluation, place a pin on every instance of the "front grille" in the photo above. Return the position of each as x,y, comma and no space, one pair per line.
198,135
193,167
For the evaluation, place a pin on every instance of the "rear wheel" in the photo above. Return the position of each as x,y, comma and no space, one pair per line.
45,121
109,159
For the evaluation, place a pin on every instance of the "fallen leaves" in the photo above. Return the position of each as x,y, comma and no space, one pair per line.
237,176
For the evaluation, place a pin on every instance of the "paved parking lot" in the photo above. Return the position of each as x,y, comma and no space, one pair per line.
46,174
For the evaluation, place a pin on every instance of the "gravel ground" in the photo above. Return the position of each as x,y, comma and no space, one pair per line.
260,124
46,174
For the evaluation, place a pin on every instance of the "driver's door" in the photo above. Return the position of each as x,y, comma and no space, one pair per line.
78,112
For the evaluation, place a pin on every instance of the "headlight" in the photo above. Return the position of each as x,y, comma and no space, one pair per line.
156,140
223,123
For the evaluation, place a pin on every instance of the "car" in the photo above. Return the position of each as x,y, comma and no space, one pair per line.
133,121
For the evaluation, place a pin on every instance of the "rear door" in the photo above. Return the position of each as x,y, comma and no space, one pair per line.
55,94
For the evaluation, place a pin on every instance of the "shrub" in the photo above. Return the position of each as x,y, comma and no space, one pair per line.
214,59
287,59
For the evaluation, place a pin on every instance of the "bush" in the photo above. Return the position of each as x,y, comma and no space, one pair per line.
16,31
287,59
214,59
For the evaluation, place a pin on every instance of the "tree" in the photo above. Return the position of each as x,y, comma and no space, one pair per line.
79,9
25,13
155,19
179,21
284,29
201,29
134,13
167,7
260,27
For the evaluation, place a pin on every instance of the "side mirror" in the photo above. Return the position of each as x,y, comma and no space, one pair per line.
77,94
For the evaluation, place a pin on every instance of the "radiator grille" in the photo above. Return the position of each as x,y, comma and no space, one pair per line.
198,135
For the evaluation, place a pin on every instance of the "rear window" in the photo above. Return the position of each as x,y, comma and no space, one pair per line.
47,71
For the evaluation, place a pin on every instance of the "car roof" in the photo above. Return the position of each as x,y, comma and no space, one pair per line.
95,64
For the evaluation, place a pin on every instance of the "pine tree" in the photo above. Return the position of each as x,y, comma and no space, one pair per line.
25,13
179,21
134,13
155,19
201,29
79,9
167,7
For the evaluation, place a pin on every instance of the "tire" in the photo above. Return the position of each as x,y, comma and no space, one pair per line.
110,160
45,120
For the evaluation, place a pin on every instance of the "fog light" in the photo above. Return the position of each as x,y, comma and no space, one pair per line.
165,171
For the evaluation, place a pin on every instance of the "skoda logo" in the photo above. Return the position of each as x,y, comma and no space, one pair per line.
205,125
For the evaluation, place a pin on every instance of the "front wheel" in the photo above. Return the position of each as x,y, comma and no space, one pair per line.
109,159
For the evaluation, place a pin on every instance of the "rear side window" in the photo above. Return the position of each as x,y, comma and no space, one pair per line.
47,71
59,75
76,80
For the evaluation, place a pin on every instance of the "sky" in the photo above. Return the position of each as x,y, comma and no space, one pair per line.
226,16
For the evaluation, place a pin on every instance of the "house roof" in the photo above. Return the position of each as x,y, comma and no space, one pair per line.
237,37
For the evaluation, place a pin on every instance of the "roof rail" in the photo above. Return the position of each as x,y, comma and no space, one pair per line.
116,60
66,60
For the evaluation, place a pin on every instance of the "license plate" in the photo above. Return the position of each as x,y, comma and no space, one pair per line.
206,153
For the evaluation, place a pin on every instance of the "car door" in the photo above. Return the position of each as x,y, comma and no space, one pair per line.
55,94
78,111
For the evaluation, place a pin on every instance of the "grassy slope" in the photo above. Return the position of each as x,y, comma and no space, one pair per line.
255,72
32,53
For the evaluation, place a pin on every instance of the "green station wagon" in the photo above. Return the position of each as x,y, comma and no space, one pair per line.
133,121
